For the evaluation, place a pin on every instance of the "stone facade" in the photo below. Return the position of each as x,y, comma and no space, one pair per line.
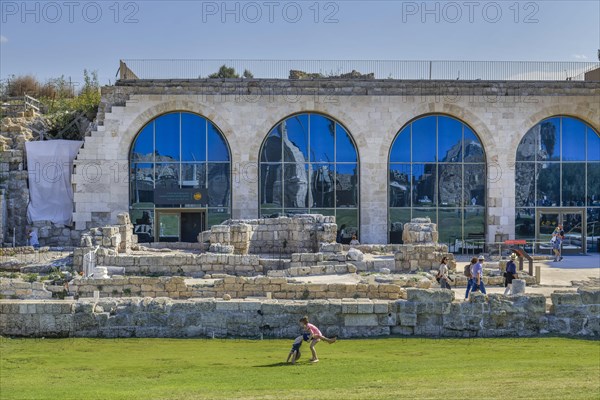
423,313
373,111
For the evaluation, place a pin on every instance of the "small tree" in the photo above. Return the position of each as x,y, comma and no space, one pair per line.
247,74
224,73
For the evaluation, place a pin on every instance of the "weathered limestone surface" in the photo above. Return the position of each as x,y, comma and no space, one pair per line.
373,111
424,313
301,233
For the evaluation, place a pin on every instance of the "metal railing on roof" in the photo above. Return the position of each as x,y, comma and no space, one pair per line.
370,69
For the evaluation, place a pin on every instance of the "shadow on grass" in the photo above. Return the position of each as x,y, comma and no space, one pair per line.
279,364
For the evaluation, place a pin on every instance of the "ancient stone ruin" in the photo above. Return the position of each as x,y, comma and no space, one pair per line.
257,277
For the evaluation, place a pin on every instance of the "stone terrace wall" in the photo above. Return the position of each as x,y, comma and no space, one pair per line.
423,313
412,258
236,287
17,289
284,235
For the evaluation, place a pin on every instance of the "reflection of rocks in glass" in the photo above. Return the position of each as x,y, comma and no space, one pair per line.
167,175
218,185
399,189
473,151
296,176
322,187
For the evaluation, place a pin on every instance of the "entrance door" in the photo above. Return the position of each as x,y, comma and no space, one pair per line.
168,226
573,221
192,223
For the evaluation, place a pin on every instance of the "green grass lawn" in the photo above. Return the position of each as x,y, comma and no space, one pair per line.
396,368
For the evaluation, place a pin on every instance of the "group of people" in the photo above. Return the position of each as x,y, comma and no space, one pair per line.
474,273
312,334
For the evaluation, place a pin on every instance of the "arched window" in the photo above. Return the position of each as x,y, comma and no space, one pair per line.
172,155
437,170
557,180
309,164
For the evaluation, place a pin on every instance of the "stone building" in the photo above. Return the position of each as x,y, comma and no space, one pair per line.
479,158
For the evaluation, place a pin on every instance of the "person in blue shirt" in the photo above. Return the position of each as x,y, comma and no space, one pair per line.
477,271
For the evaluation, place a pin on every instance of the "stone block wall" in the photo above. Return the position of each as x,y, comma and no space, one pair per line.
284,235
17,289
411,258
50,234
423,313
173,287
178,264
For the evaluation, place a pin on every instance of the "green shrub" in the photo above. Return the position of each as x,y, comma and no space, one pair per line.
30,278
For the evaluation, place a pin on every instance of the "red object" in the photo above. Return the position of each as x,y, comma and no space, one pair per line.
515,241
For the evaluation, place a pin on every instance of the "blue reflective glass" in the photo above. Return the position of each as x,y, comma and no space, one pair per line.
345,149
322,132
143,148
593,181
423,184
399,189
294,131
322,185
573,184
271,187
548,184
295,185
217,146
346,185
193,137
525,223
167,137
573,139
193,175
525,184
218,184
401,146
593,145
449,139
271,150
167,175
423,139
528,146
450,185
473,149
142,183
474,187
548,132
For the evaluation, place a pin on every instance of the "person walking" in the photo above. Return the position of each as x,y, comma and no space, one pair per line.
557,239
469,275
442,274
510,274
477,271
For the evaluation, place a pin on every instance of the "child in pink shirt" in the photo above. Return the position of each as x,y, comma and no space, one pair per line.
316,337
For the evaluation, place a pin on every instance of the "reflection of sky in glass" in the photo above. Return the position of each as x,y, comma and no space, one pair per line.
321,138
573,135
345,150
401,146
167,137
423,137
593,143
449,139
217,148
193,137
297,132
144,144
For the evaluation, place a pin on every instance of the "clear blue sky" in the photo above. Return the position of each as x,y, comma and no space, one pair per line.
49,39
